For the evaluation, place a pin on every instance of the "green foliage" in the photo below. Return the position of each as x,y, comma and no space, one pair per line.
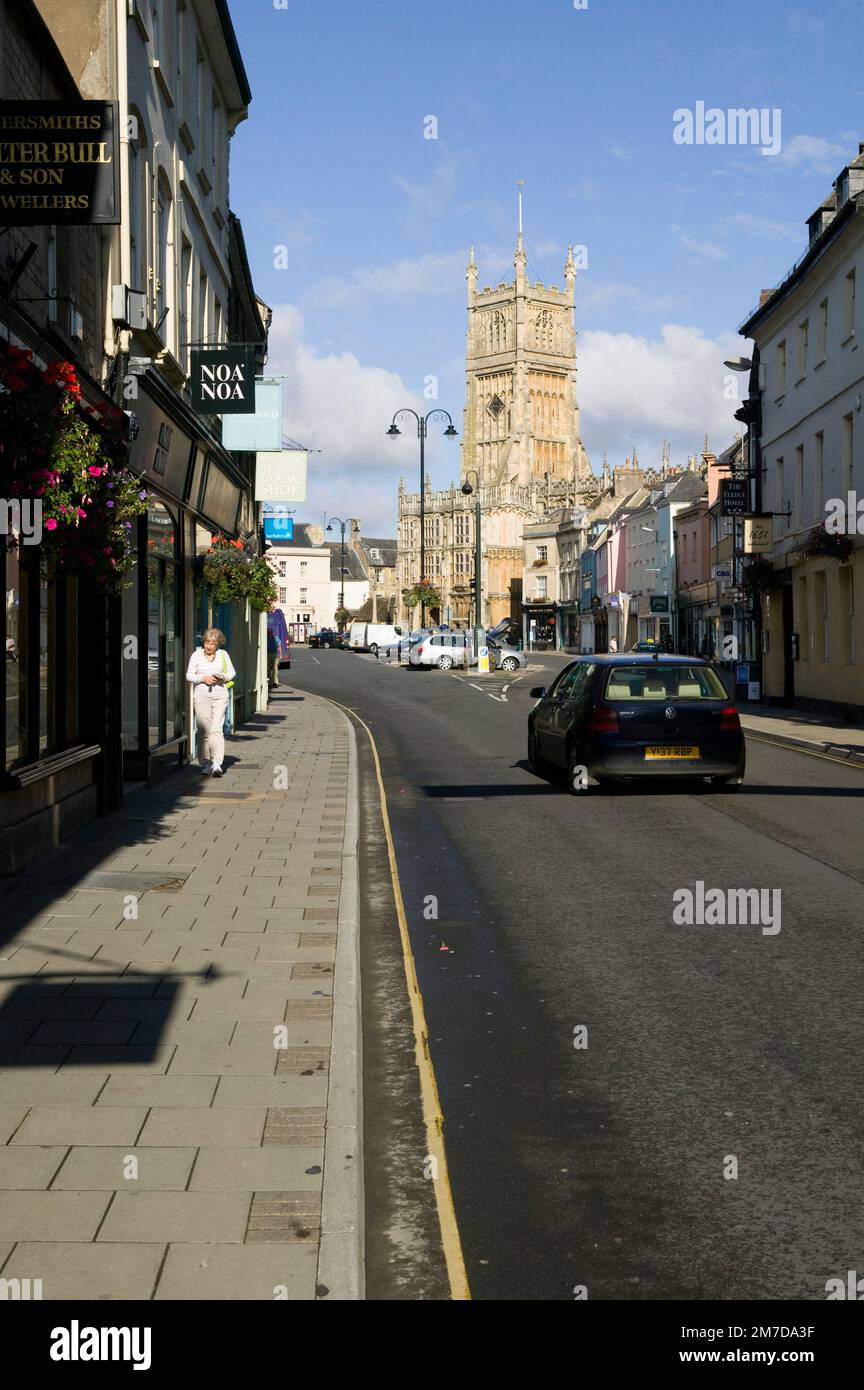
263,590
71,462
422,593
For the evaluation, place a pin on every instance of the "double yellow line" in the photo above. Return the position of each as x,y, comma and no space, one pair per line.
432,1116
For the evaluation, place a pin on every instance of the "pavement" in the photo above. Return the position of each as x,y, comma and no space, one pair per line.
180,1094
813,733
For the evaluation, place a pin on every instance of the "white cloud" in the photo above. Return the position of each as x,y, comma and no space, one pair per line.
704,250
814,153
762,226
596,296
634,389
424,275
335,403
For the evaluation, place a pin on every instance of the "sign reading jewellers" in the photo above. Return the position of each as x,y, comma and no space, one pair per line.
59,163
223,381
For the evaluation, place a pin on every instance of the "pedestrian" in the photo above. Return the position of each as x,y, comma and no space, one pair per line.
211,674
274,652
613,645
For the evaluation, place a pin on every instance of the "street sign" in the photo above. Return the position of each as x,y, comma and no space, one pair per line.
262,431
758,535
279,528
722,572
660,603
59,163
734,496
281,477
223,380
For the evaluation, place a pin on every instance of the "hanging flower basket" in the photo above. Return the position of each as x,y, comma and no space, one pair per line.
70,465
760,575
821,542
422,593
224,571
263,590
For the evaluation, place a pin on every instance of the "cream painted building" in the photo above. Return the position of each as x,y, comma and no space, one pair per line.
521,441
809,333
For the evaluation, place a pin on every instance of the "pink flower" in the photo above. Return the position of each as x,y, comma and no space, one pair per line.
94,471
50,524
81,512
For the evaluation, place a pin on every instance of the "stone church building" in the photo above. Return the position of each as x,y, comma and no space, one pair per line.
521,442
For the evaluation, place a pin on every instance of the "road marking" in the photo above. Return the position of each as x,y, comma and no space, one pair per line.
434,1119
315,659
476,687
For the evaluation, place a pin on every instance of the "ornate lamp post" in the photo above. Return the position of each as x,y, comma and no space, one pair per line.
343,526
478,567
422,430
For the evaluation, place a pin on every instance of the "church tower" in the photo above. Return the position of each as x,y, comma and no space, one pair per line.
521,421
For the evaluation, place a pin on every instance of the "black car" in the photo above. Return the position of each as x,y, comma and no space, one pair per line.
325,638
628,716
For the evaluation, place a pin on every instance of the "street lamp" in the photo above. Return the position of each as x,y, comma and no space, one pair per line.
478,566
422,430
343,525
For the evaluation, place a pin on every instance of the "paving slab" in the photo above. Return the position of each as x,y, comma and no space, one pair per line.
232,1273
185,1216
292,1168
85,1273
103,1169
25,1166
241,1127
51,1215
79,1124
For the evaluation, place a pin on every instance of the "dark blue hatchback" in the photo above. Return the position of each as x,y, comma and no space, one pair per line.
634,715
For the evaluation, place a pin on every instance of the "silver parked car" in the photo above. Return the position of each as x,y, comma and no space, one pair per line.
504,657
442,649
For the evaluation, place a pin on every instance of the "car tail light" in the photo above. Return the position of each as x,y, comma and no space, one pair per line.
420,649
729,721
604,721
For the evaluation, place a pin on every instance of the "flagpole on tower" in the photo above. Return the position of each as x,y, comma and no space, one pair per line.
521,185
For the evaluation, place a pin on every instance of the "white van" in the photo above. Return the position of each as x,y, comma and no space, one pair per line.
368,637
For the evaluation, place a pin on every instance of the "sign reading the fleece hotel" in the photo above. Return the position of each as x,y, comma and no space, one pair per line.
59,163
223,381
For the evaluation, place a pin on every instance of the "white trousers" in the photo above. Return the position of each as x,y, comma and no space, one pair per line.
211,703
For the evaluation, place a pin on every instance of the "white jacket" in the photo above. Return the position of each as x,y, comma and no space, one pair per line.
199,666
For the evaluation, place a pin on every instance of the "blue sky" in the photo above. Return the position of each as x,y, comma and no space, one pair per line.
333,165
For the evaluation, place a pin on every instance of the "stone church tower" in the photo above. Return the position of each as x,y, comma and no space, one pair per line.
521,422
520,436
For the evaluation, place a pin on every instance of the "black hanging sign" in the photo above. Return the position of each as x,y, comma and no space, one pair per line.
734,496
223,380
59,163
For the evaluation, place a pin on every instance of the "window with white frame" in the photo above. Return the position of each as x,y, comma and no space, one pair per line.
799,485
304,567
818,507
780,368
849,305
822,332
779,501
847,453
803,344
542,586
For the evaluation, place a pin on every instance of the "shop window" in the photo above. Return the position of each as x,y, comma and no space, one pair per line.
41,696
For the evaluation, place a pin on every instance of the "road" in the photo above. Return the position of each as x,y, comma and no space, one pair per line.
706,1143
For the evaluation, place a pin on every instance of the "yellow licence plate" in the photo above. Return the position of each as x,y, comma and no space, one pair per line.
677,750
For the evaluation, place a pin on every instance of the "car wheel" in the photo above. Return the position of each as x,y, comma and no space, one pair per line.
509,663
445,663
536,762
577,778
374,649
326,646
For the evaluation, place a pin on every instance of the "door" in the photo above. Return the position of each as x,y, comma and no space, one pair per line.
788,647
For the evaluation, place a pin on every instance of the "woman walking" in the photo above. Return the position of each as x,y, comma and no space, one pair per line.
211,674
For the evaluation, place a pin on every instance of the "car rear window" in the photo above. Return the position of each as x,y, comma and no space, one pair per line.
654,681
